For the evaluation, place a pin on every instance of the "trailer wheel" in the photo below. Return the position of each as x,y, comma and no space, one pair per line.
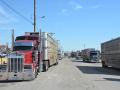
45,65
56,62
83,60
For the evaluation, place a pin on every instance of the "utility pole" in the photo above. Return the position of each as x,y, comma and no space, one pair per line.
34,15
12,39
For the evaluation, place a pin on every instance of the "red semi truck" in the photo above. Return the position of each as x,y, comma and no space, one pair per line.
31,60
33,52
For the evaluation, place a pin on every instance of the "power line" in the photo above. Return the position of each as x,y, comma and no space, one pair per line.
15,11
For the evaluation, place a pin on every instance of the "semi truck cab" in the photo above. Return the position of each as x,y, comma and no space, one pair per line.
30,52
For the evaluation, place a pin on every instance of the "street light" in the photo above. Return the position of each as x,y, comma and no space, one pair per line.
42,17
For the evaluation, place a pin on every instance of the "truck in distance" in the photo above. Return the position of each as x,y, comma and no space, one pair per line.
90,55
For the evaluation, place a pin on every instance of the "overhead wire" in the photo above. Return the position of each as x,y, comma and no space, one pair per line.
18,13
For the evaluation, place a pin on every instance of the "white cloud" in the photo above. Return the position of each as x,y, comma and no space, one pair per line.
75,5
71,6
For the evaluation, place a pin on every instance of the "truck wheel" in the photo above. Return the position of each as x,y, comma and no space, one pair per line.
38,70
83,60
34,75
103,64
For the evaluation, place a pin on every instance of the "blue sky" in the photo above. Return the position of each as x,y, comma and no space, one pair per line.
75,22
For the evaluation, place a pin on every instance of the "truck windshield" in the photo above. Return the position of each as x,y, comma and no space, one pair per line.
21,38
17,48
27,38
95,53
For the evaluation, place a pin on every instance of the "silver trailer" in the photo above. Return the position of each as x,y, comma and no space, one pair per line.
110,53
50,50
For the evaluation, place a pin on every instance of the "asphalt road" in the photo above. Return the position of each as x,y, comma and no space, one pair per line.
101,78
70,74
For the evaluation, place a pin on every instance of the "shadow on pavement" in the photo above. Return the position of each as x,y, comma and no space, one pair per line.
13,81
98,70
112,79
76,60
